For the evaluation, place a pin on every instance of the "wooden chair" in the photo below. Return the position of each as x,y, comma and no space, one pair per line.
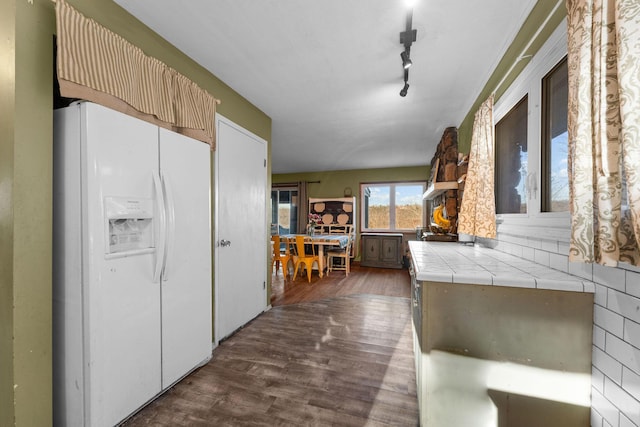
344,255
303,258
319,229
281,255
340,229
344,229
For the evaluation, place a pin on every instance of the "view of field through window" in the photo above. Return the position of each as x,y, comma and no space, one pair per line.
407,216
403,211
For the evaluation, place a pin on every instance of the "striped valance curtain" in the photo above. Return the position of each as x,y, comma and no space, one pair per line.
98,65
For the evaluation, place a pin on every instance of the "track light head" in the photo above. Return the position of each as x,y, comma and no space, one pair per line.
404,90
406,61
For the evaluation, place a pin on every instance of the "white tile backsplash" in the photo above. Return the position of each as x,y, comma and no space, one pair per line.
597,379
601,295
626,422
606,364
589,287
549,246
581,269
631,383
624,352
608,320
627,305
605,408
609,276
598,337
622,399
541,257
528,253
516,250
534,243
632,283
631,332
559,262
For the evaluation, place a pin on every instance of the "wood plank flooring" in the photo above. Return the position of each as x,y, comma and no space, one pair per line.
334,352
361,280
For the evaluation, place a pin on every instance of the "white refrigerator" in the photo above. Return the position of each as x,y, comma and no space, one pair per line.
132,292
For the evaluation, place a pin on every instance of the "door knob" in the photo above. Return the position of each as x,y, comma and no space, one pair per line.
225,242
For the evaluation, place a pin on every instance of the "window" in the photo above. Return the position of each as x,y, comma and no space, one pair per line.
284,210
541,213
511,160
392,206
555,181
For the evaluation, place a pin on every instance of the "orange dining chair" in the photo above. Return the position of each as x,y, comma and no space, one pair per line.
344,257
281,255
304,258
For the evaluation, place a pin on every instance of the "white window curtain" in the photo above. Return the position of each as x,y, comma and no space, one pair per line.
604,130
477,215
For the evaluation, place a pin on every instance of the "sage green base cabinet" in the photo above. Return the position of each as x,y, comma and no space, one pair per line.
381,250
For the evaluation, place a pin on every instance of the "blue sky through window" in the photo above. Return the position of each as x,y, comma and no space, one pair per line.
405,195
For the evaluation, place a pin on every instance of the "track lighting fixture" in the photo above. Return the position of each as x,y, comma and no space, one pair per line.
406,61
407,37
404,90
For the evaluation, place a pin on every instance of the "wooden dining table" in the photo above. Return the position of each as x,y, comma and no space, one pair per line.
320,240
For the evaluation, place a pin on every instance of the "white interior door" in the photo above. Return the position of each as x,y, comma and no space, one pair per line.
241,235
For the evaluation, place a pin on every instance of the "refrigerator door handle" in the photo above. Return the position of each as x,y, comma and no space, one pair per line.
171,225
162,228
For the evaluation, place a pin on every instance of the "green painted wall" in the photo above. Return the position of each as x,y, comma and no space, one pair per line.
7,107
25,213
26,87
333,184
506,68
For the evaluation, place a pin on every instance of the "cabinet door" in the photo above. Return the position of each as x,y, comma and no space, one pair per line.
371,248
389,250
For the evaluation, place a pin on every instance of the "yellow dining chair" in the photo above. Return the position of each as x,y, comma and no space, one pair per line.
304,258
281,255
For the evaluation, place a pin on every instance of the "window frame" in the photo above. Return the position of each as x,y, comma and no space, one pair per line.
535,222
392,185
524,101
278,189
546,201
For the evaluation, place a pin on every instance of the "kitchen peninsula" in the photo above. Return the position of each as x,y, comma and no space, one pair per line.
499,340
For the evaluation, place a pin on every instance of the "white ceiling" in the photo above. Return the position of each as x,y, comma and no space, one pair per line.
328,72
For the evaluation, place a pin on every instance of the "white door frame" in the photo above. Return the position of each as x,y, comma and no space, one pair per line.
217,267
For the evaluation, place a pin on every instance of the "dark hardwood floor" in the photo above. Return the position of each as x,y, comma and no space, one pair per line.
336,351
361,280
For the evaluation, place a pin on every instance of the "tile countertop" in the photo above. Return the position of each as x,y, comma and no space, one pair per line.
457,263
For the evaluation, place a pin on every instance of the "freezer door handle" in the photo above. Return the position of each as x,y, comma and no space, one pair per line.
171,226
161,228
